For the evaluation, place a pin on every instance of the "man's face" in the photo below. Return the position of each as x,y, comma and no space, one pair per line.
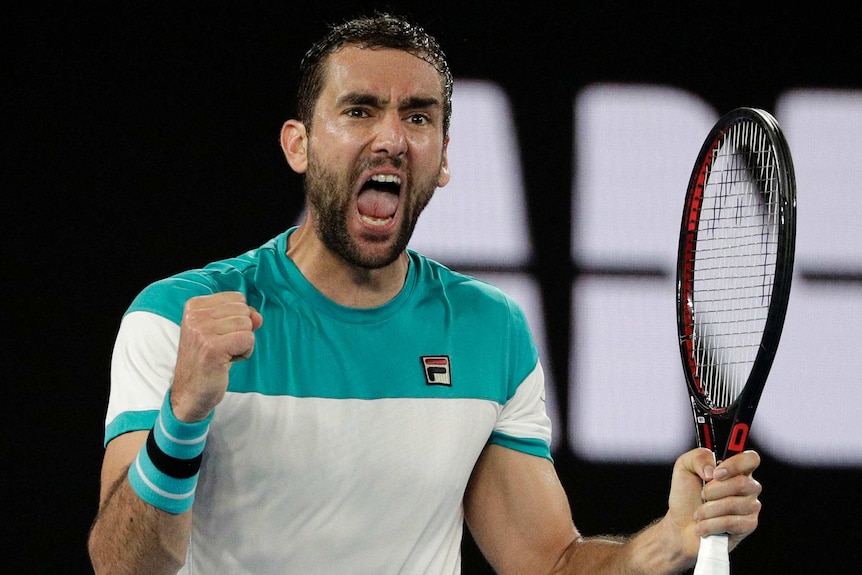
376,152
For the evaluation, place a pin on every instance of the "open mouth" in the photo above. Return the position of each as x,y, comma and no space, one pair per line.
378,199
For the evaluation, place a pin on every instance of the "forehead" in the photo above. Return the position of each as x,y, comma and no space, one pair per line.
381,71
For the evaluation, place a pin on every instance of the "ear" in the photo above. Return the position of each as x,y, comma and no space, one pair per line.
443,176
294,143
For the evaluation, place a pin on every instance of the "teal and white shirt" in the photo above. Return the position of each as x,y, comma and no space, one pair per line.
344,444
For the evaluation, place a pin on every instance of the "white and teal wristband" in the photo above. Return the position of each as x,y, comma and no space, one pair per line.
165,472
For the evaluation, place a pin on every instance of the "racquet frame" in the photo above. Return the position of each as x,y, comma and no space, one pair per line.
724,430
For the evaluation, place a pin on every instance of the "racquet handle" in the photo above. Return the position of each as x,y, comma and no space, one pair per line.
712,557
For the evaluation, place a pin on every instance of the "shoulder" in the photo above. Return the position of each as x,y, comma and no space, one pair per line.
166,297
431,270
461,289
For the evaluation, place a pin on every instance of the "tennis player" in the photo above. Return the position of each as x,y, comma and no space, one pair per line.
333,402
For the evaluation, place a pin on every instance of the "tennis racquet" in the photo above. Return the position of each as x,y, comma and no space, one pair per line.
734,268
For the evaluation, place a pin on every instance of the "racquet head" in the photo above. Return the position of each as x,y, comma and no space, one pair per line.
734,268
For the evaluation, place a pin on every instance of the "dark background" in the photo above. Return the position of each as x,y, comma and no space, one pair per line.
143,140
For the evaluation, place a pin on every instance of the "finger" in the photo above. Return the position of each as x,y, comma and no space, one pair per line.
232,323
744,463
203,310
228,304
699,461
214,299
739,486
729,506
256,318
732,524
226,309
245,351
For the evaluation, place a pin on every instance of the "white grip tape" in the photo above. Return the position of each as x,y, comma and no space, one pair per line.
712,557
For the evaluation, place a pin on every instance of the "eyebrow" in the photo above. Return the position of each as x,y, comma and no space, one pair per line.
410,103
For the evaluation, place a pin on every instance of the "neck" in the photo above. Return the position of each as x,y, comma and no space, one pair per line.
340,281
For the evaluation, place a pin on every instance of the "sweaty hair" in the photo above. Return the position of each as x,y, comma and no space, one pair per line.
378,31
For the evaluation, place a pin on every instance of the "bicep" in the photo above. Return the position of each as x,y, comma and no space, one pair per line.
517,511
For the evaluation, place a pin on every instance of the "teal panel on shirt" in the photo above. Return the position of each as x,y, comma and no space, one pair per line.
130,421
309,346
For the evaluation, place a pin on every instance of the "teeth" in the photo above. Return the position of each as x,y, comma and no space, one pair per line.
375,221
386,178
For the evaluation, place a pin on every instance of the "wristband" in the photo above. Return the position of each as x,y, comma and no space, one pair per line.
165,472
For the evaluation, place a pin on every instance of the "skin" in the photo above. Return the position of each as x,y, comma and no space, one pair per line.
380,108
380,112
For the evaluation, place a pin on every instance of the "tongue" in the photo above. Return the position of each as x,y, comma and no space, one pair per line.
377,204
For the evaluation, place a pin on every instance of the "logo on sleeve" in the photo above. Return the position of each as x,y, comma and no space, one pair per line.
437,371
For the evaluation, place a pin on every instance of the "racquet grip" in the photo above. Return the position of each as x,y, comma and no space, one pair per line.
712,557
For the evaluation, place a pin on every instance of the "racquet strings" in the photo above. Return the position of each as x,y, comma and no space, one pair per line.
735,254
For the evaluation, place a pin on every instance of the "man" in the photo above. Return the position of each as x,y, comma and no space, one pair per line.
335,403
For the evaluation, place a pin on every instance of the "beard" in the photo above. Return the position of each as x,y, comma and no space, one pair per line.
329,197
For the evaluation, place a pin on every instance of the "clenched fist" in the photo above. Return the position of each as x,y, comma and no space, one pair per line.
216,330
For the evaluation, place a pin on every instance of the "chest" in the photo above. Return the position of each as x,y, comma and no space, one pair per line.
323,449
432,352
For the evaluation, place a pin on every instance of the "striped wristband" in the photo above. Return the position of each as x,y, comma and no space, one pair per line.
165,472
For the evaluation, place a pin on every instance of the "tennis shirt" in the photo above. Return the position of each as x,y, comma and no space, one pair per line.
345,442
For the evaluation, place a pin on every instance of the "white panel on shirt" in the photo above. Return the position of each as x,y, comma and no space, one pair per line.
374,483
140,377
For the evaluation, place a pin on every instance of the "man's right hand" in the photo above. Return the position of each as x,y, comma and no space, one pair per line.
216,330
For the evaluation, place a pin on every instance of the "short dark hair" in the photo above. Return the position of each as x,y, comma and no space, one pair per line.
382,30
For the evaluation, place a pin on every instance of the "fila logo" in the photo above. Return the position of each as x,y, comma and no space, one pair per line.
437,370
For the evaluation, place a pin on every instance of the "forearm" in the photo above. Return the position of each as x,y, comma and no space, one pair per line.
651,552
130,536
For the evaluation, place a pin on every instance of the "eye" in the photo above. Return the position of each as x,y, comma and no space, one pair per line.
356,113
419,119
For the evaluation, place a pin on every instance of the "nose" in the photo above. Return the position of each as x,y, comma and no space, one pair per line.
390,136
